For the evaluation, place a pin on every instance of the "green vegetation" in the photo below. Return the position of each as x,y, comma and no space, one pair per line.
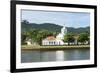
26,26
36,35
83,37
69,38
23,37
37,32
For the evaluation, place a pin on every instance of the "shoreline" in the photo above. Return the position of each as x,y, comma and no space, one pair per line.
26,47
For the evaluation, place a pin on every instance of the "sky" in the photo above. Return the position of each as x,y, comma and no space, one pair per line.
69,19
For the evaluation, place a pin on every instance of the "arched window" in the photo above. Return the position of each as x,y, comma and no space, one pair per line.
54,42
59,42
49,43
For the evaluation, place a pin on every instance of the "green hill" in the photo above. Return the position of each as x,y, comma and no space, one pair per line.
26,26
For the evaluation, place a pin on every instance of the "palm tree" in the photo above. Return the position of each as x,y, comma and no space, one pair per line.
76,39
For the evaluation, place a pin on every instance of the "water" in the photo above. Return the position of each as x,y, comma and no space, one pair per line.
55,55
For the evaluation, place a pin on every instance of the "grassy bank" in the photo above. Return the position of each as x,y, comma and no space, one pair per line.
26,47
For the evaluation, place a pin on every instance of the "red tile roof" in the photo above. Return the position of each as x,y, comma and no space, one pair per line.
50,38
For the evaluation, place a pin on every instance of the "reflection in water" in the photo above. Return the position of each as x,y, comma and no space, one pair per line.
48,56
59,55
56,55
77,54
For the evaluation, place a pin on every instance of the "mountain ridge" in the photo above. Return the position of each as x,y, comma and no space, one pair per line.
52,27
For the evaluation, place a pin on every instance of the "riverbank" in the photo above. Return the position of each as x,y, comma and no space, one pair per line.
26,47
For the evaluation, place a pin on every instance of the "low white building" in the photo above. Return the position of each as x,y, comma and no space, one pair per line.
31,42
51,40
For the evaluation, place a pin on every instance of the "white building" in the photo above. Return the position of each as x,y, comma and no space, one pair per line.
60,36
51,40
31,42
58,40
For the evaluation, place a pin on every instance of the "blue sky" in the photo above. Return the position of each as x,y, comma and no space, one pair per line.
69,19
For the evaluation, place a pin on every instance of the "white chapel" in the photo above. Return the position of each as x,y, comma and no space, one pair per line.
58,40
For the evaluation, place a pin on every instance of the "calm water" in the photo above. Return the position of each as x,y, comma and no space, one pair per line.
56,55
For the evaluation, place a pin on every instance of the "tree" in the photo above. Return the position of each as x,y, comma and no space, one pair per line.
69,38
76,39
23,37
25,22
33,34
37,35
43,34
55,33
83,37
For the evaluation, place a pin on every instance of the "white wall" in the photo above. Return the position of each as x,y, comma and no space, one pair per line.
5,37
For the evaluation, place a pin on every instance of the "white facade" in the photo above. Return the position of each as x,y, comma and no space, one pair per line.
52,42
61,35
29,43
